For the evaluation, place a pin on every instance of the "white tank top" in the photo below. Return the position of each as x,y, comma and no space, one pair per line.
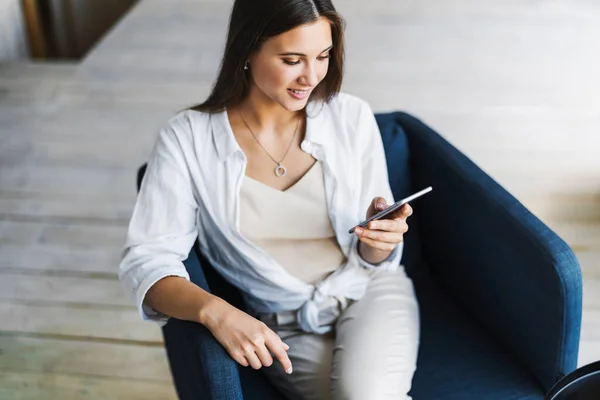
292,226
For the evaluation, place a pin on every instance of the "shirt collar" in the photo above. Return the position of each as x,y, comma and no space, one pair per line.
223,137
226,145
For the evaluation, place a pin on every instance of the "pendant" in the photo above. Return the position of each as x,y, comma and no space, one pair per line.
280,170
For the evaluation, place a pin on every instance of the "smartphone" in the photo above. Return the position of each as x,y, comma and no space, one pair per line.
391,209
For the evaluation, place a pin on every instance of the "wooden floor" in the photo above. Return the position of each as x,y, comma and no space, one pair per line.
513,84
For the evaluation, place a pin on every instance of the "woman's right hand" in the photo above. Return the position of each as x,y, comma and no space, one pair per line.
246,339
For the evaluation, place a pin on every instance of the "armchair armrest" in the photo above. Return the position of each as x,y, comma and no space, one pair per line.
514,275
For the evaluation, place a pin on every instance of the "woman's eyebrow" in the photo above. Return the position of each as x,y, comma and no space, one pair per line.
301,54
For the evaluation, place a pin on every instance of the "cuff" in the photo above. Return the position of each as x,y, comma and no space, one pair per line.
146,312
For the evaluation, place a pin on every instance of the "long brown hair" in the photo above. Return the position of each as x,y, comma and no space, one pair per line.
251,23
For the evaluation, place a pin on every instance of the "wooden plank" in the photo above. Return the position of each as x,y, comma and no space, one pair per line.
143,107
71,118
62,233
556,209
41,148
166,95
49,258
67,180
83,322
582,237
15,287
21,233
47,70
16,90
117,360
111,236
90,210
589,259
23,385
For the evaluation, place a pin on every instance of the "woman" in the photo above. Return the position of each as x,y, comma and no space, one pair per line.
269,173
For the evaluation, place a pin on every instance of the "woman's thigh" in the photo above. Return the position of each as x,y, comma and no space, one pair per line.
377,341
311,356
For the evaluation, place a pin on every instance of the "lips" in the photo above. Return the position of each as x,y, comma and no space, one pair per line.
298,93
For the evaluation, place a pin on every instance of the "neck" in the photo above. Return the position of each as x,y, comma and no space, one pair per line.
266,114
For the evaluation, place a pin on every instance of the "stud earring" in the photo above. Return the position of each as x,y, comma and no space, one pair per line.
246,66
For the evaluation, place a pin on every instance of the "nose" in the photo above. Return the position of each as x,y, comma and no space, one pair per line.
310,76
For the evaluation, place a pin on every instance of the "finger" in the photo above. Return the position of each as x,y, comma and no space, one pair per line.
379,203
378,245
239,358
403,213
253,359
381,236
264,356
389,225
277,348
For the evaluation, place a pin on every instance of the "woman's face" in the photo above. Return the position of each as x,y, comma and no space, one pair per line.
288,67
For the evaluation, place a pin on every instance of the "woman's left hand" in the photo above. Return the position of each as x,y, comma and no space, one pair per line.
384,234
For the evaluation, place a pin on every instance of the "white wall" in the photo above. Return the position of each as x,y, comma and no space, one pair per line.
13,39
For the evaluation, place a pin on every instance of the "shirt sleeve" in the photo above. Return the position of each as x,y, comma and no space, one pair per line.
162,229
374,179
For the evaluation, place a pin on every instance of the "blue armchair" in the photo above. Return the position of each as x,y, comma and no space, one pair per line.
500,294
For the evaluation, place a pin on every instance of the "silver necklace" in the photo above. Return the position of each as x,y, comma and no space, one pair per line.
280,170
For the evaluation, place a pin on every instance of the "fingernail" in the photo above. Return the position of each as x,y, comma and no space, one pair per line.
288,371
380,205
358,230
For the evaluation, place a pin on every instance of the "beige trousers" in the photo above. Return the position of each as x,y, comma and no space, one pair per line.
370,355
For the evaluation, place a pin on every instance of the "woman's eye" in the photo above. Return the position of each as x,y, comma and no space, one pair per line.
289,62
324,57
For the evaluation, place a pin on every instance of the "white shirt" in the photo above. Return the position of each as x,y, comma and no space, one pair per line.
191,190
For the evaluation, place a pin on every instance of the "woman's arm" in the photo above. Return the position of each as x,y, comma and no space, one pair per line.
179,298
161,234
162,229
371,254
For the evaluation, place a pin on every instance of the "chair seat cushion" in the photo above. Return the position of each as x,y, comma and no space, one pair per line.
458,360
